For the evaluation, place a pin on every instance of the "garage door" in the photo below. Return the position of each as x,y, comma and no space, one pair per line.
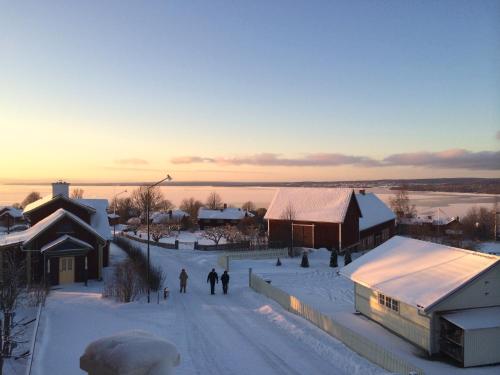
303,235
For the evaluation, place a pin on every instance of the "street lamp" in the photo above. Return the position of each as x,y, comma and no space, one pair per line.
114,211
148,188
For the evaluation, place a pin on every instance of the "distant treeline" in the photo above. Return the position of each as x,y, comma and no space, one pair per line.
483,186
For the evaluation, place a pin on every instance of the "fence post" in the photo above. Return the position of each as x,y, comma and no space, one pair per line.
177,244
196,245
250,277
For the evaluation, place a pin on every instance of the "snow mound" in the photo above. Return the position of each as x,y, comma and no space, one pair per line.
131,353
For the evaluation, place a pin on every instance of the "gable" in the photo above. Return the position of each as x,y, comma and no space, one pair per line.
42,208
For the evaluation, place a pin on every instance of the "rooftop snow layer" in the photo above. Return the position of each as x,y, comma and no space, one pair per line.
416,272
229,213
24,236
374,211
311,204
13,212
48,198
99,220
162,217
488,317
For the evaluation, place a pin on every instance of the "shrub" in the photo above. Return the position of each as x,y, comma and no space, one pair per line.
125,284
139,259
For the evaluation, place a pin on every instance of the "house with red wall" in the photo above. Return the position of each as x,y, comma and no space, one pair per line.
321,217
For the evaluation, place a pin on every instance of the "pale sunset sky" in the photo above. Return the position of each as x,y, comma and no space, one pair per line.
248,90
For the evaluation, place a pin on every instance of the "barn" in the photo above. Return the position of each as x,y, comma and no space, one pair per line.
442,299
314,217
378,222
68,240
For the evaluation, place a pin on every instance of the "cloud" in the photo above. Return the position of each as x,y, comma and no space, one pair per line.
132,161
451,159
270,159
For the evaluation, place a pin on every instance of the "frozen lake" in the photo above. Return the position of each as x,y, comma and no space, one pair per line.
427,202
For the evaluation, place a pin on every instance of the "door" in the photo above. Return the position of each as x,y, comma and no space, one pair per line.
66,270
303,235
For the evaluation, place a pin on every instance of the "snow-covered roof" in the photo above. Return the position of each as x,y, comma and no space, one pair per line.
311,204
48,198
488,317
228,213
13,212
99,219
162,216
374,211
63,239
418,273
27,235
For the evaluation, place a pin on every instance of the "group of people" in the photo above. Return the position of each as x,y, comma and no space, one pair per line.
212,278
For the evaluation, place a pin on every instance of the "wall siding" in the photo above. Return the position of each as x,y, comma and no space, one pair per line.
481,347
408,323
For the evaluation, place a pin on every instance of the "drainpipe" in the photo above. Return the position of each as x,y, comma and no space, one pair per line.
340,237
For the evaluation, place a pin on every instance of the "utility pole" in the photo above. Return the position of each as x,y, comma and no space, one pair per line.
148,202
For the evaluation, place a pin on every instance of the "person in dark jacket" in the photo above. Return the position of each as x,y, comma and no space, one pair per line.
225,281
212,277
183,277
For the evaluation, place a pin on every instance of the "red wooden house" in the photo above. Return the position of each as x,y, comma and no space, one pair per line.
314,217
378,223
68,240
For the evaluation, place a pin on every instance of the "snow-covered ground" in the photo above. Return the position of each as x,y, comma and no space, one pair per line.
322,288
490,248
240,333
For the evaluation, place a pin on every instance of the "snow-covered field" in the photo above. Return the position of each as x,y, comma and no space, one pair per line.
241,333
322,288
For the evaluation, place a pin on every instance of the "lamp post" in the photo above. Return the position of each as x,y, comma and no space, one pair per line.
148,188
114,212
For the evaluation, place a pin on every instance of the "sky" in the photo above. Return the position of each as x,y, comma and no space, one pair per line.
113,91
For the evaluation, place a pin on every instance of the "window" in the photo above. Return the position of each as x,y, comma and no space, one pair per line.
70,264
388,302
63,264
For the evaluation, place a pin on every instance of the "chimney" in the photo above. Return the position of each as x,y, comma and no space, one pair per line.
60,188
362,191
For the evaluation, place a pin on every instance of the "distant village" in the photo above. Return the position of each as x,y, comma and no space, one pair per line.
430,279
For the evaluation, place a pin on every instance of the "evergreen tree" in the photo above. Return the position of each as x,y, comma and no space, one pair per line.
305,260
278,263
347,258
333,259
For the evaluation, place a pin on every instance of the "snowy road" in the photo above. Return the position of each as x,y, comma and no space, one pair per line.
241,333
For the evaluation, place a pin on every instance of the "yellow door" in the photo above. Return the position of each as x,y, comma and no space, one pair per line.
66,270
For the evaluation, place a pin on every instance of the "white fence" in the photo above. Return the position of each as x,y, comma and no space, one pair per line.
224,259
360,344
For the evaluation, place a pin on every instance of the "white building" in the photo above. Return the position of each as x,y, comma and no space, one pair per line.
441,299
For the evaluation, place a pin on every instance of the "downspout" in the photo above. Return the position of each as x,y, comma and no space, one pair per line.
340,237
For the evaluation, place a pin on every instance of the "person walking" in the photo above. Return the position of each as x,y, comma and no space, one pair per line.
225,281
183,277
212,277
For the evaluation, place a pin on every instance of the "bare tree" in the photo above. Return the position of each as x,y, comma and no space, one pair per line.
158,231
214,234
214,201
232,234
479,223
10,290
125,284
77,193
140,199
124,207
248,206
30,198
165,205
288,216
400,204
191,206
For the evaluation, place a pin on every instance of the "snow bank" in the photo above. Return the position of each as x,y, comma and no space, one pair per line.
130,353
